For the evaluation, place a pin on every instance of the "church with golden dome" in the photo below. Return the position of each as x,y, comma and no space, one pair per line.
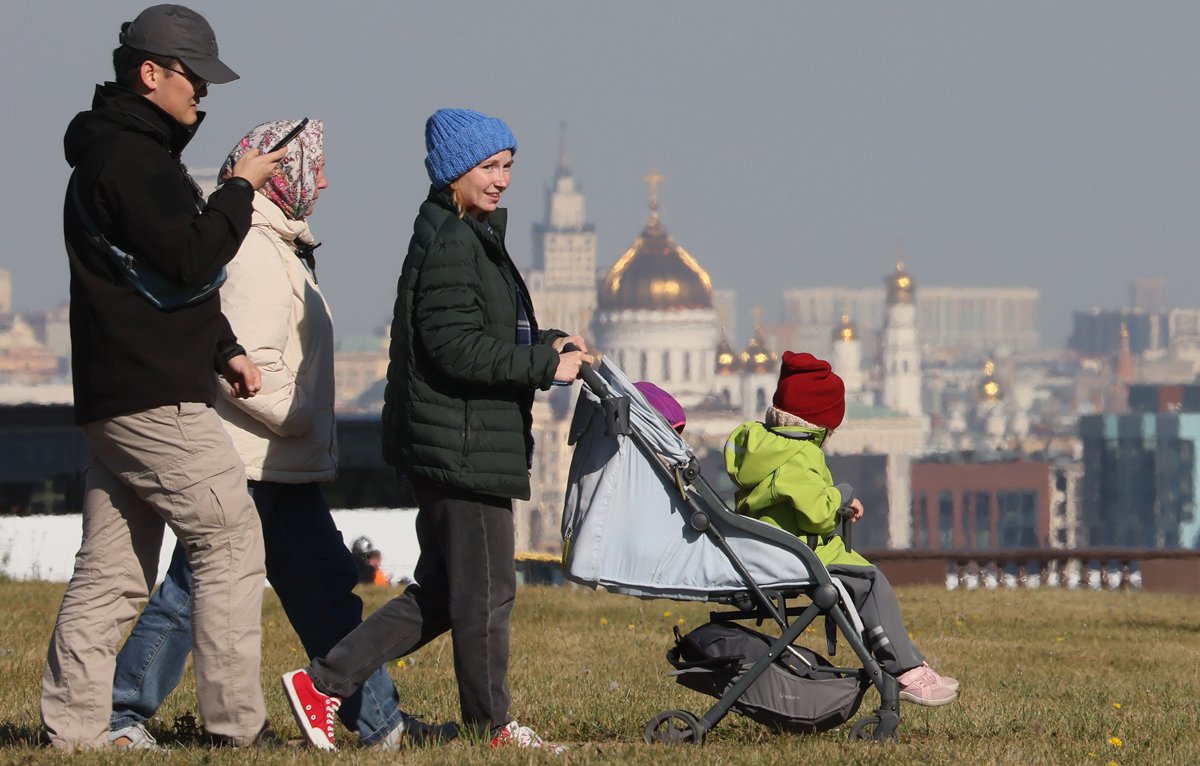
654,314
656,317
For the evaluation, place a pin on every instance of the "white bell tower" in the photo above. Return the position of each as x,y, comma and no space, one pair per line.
901,354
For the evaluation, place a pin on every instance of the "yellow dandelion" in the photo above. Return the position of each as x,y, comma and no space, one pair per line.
667,614
402,663
630,626
1116,705
1115,741
1113,763
1091,755
681,621
1060,639
603,620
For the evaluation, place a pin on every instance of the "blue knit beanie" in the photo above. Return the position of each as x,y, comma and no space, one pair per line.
459,139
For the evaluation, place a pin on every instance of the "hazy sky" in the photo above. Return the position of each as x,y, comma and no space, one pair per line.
1045,144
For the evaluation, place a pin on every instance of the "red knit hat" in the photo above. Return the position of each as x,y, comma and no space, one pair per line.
809,389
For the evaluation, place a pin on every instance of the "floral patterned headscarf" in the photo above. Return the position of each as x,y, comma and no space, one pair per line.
294,184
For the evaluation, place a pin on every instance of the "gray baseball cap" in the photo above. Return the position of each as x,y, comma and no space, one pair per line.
179,32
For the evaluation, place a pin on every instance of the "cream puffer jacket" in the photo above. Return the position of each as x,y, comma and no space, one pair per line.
286,432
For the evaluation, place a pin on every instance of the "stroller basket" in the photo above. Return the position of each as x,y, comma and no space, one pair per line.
799,693
641,520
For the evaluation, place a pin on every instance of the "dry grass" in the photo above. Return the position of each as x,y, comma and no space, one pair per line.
1048,677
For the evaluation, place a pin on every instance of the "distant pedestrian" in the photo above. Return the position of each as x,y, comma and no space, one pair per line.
466,358
143,351
369,561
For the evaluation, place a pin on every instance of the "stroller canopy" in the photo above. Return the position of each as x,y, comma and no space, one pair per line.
626,522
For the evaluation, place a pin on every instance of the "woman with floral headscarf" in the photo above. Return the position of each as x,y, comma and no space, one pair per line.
286,437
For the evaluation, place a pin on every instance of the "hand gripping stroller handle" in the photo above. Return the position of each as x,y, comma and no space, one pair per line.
586,372
616,408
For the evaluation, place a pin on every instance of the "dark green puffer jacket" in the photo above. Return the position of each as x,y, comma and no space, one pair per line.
459,389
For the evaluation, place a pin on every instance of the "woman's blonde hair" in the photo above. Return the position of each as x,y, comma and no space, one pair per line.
457,200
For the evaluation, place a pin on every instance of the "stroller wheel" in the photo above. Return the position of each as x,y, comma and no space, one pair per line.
673,727
872,727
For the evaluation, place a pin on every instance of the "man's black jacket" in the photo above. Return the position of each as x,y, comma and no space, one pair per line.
127,355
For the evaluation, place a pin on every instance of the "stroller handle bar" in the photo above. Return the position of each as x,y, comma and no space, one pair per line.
590,376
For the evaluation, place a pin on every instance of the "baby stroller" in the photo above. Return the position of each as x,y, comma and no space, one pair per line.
641,520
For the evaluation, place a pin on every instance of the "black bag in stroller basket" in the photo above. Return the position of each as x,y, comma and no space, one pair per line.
799,693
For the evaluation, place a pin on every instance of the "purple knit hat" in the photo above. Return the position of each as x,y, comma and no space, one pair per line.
664,403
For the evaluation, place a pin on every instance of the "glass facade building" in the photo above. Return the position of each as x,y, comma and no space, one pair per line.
1139,485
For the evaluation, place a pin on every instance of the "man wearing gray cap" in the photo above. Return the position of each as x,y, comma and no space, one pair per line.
146,337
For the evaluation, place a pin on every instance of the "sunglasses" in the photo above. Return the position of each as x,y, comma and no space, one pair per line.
196,82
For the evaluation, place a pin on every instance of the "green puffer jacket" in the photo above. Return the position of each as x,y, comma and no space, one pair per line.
459,389
782,479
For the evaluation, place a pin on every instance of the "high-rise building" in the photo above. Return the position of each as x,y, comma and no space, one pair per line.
1098,332
974,320
1139,481
5,291
1148,294
562,287
562,283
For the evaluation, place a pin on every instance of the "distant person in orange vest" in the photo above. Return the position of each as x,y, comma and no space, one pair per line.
382,578
370,563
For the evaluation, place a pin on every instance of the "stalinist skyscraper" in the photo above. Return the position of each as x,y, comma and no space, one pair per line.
563,278
562,285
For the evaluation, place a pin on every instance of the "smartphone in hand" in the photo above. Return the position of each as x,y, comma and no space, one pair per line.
290,135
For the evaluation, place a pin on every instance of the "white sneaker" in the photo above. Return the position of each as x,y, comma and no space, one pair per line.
139,738
513,734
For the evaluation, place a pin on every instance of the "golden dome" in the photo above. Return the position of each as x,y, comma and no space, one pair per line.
900,284
989,388
725,355
757,358
655,273
845,331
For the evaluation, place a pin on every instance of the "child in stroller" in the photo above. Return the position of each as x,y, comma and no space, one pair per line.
783,480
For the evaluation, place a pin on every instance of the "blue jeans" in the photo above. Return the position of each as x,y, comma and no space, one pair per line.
313,574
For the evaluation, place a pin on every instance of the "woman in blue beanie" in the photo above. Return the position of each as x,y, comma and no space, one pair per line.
466,359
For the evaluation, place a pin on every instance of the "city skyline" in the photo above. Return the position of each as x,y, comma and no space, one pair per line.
1009,146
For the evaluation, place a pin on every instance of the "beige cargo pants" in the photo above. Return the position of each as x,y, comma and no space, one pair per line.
173,465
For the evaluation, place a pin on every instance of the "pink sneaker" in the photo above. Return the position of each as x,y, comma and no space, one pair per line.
947,681
315,712
922,686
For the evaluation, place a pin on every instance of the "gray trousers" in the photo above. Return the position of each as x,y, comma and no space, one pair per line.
465,582
172,466
885,634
